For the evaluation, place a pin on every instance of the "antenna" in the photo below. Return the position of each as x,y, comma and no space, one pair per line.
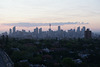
50,26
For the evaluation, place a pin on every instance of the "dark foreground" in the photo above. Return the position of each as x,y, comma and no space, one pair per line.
53,53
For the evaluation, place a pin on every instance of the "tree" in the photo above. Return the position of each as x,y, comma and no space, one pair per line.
36,60
22,64
67,62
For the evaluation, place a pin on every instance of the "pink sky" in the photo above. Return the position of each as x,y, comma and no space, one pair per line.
48,11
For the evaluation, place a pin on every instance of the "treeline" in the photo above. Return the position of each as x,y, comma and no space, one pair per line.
52,53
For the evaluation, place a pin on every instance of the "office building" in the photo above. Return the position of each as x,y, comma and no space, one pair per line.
87,34
14,29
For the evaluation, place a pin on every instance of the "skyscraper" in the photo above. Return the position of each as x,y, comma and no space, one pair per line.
36,30
14,29
40,30
49,27
10,31
78,29
83,29
59,28
87,34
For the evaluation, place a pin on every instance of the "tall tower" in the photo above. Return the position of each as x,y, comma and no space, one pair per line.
40,30
36,30
14,29
78,29
10,31
87,34
83,29
59,28
49,27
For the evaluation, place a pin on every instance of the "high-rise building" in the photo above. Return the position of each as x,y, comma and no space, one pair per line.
49,27
23,31
73,30
87,34
78,29
36,30
83,29
59,28
14,29
10,31
40,30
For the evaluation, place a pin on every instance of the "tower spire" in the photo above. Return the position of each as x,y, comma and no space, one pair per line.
50,26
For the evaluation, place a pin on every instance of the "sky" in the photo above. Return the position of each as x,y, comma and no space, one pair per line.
50,11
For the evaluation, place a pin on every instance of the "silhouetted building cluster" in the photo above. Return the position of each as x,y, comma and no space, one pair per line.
50,34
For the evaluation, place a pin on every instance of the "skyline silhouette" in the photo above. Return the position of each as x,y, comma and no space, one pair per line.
38,33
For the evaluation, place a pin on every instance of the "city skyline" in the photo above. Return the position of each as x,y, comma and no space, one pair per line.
45,27
38,33
64,27
50,11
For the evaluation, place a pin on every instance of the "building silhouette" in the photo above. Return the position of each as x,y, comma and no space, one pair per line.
38,33
78,29
14,29
10,31
59,28
88,34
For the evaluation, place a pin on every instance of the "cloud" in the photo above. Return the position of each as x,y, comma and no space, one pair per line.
26,24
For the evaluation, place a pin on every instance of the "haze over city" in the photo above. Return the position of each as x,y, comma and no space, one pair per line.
49,11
